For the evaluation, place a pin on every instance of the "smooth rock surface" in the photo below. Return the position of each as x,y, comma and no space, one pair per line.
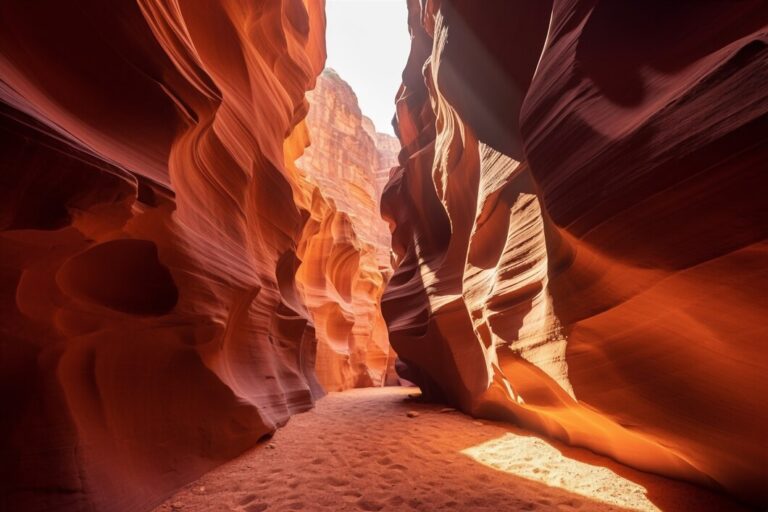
580,226
161,257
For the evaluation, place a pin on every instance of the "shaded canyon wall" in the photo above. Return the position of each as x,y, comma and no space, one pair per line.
161,256
580,226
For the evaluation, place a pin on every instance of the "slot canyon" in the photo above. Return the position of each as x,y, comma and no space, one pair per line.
225,287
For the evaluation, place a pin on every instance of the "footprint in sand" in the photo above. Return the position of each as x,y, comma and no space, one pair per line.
390,479
366,504
336,482
415,503
351,496
263,486
246,499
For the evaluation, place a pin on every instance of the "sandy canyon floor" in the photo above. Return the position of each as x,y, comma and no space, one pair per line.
377,449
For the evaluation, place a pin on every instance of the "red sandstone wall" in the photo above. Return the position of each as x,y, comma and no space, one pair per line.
580,225
345,162
155,240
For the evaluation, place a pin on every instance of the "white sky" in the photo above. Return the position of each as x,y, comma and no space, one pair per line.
368,45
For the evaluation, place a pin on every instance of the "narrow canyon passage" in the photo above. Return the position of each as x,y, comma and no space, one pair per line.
376,449
223,269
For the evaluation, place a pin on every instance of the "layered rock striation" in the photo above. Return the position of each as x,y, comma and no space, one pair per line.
349,162
580,226
162,258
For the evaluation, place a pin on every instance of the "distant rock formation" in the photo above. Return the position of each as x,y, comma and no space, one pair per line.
349,162
166,270
580,226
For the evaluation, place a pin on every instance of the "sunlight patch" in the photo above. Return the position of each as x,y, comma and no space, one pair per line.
534,459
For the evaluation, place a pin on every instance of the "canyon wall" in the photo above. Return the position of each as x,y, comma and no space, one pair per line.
580,226
161,256
350,162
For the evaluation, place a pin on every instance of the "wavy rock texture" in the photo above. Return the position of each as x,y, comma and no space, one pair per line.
161,257
345,162
580,226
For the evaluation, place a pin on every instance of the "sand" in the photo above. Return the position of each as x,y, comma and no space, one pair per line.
376,449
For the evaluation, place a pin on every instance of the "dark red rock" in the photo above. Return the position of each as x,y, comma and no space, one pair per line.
152,226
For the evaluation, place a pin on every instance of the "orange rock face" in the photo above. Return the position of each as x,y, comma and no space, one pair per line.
166,269
349,162
580,226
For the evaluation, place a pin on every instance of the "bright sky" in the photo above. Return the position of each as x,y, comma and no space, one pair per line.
368,44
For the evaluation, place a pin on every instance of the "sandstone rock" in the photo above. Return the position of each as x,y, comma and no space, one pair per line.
345,163
580,229
161,257
412,414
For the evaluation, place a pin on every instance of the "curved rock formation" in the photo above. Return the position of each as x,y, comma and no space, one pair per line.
162,259
345,162
580,226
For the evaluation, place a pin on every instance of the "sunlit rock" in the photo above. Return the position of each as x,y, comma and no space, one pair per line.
579,222
347,261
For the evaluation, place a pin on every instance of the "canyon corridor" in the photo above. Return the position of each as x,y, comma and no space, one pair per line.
547,291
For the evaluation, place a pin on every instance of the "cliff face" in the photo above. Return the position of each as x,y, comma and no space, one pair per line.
347,160
162,259
580,226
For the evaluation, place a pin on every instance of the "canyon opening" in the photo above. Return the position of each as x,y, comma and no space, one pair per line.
410,255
